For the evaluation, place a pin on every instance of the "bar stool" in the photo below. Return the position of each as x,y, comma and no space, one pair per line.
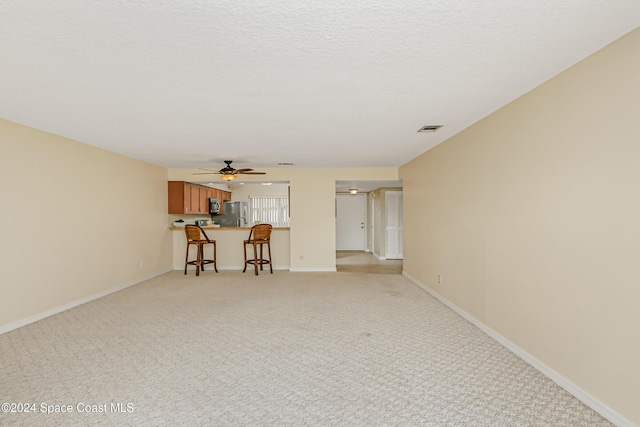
195,236
259,235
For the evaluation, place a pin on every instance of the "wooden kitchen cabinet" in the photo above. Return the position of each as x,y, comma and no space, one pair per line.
188,198
194,199
179,197
212,192
225,196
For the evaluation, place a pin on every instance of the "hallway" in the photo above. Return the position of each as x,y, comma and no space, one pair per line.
365,262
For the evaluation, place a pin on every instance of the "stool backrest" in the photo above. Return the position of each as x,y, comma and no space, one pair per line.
194,232
260,232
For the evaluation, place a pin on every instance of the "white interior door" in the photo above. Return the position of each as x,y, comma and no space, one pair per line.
350,222
393,214
371,221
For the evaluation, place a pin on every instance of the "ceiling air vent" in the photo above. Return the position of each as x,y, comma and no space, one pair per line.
285,164
429,128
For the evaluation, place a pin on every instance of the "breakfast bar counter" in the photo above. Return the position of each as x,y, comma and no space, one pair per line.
229,247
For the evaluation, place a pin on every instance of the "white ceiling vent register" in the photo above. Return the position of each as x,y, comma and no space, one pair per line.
429,128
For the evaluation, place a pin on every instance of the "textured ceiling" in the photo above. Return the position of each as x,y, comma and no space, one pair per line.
331,83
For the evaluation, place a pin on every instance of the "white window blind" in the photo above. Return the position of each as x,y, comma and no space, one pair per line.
272,210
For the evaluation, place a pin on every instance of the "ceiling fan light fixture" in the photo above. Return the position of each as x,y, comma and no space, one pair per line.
228,177
353,190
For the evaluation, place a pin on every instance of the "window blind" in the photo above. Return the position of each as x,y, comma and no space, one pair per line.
272,210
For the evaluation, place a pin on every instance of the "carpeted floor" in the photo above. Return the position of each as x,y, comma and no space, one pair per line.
288,349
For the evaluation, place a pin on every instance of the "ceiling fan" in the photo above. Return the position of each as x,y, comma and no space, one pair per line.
228,173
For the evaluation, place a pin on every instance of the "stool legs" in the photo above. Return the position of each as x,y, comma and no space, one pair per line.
215,258
261,258
203,261
197,262
257,260
200,262
186,260
245,258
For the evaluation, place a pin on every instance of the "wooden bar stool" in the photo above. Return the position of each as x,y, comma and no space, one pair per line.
259,235
195,236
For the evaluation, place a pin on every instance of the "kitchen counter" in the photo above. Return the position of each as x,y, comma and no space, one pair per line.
208,227
229,247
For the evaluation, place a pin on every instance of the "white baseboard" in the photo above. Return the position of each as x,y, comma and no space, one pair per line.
381,258
31,319
310,270
595,404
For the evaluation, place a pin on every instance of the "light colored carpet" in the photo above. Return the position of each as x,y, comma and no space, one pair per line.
288,349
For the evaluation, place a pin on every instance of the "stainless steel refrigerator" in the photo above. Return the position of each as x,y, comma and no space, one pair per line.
236,214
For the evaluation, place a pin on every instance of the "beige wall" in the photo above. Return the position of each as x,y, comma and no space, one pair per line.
76,221
532,216
313,225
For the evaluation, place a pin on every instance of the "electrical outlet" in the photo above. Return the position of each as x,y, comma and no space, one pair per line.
440,278
140,263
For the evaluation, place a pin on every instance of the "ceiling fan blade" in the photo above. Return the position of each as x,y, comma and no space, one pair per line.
253,173
209,172
243,170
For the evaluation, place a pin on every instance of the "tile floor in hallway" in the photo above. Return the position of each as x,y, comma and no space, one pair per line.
366,262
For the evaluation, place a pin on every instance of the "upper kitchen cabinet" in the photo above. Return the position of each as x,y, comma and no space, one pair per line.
179,197
224,196
198,199
188,198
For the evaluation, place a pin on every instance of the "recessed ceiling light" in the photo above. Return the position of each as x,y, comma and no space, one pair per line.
429,128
